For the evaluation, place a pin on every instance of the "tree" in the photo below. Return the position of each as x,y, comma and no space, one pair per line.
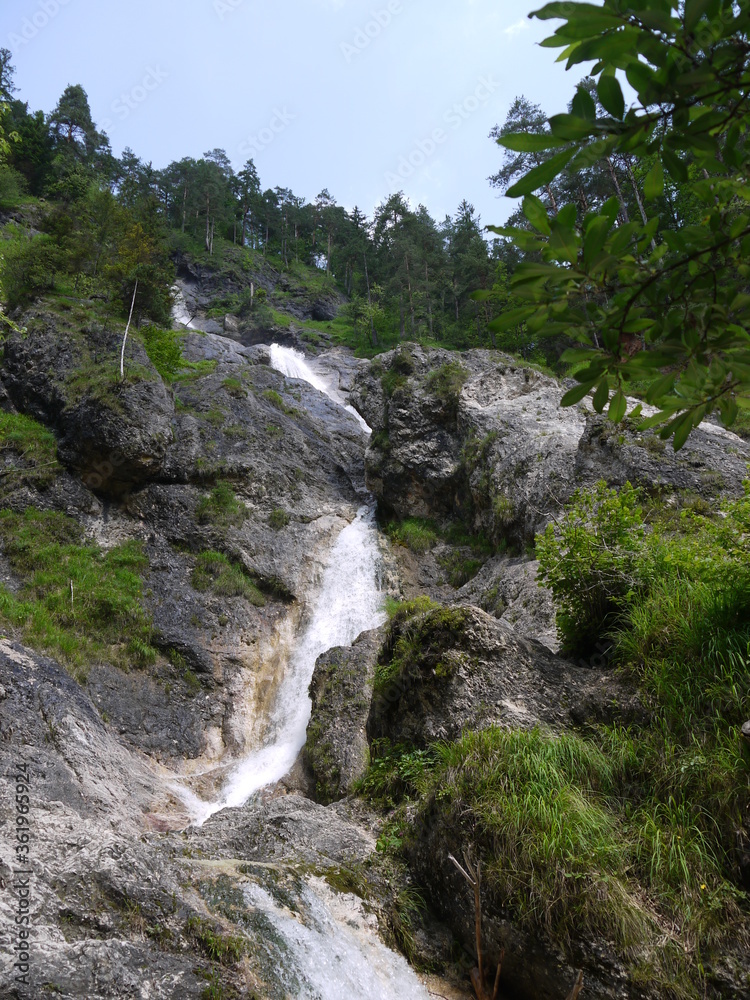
650,300
7,72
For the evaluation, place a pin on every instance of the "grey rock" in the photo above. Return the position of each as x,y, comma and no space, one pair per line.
469,671
341,691
504,456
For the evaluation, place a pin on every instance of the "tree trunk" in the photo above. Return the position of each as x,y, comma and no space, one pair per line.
429,297
402,323
618,189
373,334
184,205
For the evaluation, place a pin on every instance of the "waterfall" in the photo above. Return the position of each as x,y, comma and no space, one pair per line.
323,952
294,365
348,603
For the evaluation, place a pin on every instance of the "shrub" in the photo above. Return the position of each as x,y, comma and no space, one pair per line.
593,561
27,269
164,351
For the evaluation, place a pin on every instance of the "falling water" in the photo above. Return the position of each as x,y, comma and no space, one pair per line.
293,364
348,603
326,951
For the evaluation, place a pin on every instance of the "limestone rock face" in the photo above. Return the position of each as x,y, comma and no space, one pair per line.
113,434
479,438
341,690
459,668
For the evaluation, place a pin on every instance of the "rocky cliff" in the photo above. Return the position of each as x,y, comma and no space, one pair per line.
160,539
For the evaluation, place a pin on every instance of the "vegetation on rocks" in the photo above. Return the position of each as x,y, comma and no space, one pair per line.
218,573
75,601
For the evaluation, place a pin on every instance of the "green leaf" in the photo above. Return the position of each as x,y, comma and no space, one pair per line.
662,387
536,213
618,407
595,238
694,11
576,394
601,396
570,127
529,142
675,166
541,175
653,186
682,430
583,105
511,318
610,95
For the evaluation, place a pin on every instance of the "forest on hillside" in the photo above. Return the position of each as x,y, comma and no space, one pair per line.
108,220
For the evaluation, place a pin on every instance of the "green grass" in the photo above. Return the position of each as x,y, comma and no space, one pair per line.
624,834
34,444
415,533
102,618
216,572
418,634
445,384
277,401
279,519
221,507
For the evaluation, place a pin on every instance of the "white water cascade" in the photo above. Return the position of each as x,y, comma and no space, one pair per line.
293,364
349,602
323,952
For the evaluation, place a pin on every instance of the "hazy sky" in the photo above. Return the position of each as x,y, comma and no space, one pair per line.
364,97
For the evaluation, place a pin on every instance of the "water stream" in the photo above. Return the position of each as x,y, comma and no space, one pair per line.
348,602
321,945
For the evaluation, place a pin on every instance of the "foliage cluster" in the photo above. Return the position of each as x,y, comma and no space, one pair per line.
652,292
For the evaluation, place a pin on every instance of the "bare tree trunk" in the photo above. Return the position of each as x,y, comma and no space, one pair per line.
184,205
402,326
127,328
618,189
373,334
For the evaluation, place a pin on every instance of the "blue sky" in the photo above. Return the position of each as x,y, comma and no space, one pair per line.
363,97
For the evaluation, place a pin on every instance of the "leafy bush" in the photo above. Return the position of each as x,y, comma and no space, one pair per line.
27,269
593,561
164,351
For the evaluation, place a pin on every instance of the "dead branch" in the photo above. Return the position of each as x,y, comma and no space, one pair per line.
573,995
473,875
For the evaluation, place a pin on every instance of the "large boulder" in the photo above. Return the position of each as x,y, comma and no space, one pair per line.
337,750
447,670
481,438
